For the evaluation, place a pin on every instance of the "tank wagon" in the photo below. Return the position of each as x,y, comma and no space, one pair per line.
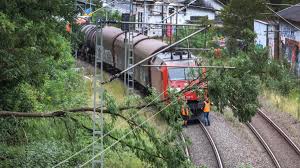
164,71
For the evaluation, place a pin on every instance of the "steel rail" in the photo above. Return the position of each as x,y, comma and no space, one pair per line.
213,145
280,131
186,150
265,145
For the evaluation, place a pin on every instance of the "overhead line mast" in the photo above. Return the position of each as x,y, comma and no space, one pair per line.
129,75
98,120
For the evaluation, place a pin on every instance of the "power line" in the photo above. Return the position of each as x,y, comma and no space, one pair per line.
75,154
273,4
117,75
124,136
283,18
153,55
180,66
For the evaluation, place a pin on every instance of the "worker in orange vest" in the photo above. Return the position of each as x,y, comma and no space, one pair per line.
68,27
185,115
206,110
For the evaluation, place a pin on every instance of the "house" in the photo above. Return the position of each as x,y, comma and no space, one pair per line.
151,11
282,36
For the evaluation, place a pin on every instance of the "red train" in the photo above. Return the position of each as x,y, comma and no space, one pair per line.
168,69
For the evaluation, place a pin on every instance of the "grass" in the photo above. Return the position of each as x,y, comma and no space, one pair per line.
117,90
289,104
245,166
228,115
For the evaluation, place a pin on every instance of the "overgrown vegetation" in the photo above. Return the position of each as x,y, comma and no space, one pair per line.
275,76
238,18
39,75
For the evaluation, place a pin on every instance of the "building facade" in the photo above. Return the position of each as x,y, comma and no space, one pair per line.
150,11
282,37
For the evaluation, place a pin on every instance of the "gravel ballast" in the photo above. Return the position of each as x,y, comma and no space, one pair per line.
284,120
286,155
200,150
236,143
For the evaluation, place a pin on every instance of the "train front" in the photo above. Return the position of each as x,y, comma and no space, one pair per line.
182,73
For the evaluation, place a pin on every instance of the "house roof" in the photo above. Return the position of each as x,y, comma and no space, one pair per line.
291,13
261,21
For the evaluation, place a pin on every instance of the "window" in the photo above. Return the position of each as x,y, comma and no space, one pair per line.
182,73
171,11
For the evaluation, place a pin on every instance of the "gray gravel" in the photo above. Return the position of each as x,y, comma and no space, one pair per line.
285,154
200,150
236,143
284,120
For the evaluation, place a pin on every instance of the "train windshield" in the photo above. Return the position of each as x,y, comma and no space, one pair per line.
182,73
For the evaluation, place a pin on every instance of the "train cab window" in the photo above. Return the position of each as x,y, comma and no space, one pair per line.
182,73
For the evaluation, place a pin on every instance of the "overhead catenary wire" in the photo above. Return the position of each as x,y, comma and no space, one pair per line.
282,4
153,55
131,117
75,154
124,136
90,14
180,66
80,151
160,24
283,18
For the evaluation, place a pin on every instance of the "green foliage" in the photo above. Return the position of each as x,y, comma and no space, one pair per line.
238,17
46,142
124,160
37,74
105,13
33,48
150,146
280,78
37,68
237,88
245,166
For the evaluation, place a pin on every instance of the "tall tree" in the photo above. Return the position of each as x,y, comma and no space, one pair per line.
32,42
238,17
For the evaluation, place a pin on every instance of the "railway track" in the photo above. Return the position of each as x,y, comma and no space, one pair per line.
203,150
282,150
213,145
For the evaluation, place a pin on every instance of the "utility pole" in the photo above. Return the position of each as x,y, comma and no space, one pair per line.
98,120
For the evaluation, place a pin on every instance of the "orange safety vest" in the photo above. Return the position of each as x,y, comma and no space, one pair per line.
206,107
68,27
184,111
